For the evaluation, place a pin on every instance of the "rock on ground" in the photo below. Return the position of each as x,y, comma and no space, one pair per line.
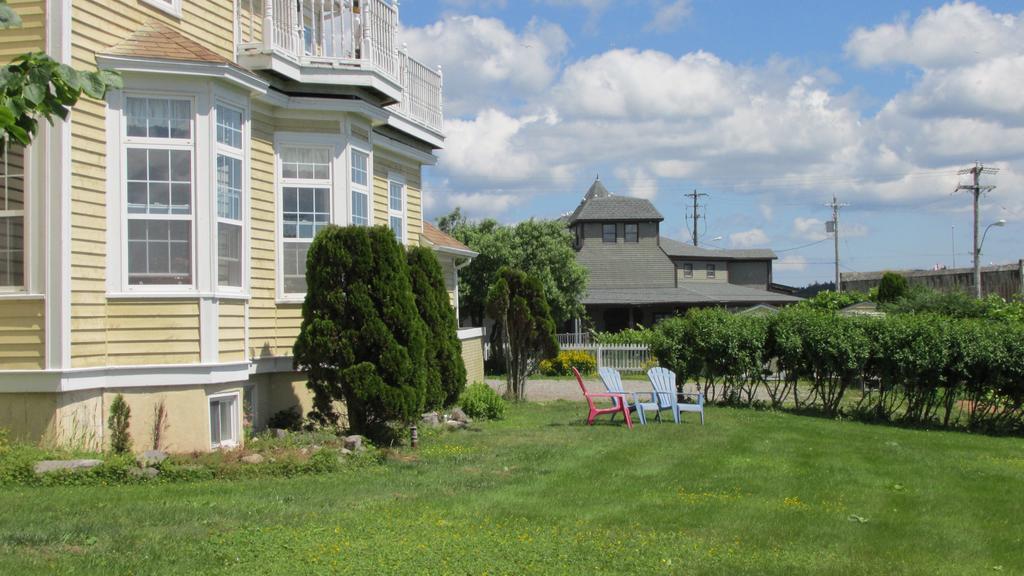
459,416
150,458
354,443
253,459
46,466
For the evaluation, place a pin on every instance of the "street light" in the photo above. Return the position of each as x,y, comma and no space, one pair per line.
977,257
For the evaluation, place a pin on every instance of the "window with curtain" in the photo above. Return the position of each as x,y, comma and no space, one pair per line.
306,208
12,216
230,196
159,151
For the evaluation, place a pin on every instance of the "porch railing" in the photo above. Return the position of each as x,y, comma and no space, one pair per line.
343,33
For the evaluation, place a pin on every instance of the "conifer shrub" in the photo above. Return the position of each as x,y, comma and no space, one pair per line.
892,287
517,303
446,372
362,340
480,401
117,422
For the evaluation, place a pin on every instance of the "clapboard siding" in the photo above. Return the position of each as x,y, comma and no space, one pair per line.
383,164
22,340
231,341
30,36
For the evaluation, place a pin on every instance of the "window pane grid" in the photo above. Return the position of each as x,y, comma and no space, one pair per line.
360,208
159,251
305,163
395,192
306,211
229,126
229,187
12,216
359,168
159,181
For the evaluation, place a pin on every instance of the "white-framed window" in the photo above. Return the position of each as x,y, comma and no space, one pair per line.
172,7
224,422
12,217
360,183
397,206
687,270
711,270
159,177
230,169
305,193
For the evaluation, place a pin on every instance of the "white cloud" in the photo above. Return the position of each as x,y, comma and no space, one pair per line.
773,129
809,229
639,182
486,63
790,264
954,35
668,15
477,3
748,239
477,205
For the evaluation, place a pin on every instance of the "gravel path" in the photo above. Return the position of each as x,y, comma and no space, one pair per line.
545,390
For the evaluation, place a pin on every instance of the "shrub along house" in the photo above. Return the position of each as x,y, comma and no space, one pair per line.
154,244
637,276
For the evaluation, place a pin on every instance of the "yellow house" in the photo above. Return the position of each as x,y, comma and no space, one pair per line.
154,244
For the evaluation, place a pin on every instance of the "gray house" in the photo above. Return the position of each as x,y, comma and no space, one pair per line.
637,276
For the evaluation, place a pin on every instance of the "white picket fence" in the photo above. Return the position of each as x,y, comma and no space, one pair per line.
622,357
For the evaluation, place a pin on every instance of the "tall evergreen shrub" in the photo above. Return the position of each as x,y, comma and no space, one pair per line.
117,423
517,303
445,372
362,340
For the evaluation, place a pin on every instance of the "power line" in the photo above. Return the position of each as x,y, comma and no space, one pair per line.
815,243
696,213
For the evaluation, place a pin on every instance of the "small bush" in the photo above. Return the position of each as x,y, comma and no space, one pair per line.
120,414
562,364
289,419
5,444
480,401
322,461
892,287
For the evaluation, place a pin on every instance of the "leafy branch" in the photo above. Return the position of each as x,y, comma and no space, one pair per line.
36,86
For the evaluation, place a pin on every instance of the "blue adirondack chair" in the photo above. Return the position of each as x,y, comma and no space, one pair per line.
613,382
667,396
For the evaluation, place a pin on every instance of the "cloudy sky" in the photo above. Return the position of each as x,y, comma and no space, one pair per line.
768,107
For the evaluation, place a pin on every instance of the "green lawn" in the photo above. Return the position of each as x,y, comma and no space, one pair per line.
750,493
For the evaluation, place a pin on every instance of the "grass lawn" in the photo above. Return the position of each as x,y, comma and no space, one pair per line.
750,493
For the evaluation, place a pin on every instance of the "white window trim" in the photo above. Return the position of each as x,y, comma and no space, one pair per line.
357,146
221,98
205,94
33,226
192,145
236,417
397,178
172,7
339,189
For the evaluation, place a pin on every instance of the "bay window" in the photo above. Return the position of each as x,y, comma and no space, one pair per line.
396,207
305,208
159,180
12,217
230,170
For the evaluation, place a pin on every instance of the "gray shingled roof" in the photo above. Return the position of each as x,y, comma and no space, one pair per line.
677,249
615,209
695,293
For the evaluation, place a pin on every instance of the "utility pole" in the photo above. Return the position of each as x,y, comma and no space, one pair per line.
977,190
834,225
696,213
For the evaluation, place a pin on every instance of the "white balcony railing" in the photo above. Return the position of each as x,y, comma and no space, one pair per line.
358,34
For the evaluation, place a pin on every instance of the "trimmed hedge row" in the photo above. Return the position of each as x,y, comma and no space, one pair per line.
924,369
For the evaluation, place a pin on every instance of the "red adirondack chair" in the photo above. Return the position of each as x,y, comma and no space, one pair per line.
620,406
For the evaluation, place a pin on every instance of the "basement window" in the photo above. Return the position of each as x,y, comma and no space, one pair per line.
224,421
